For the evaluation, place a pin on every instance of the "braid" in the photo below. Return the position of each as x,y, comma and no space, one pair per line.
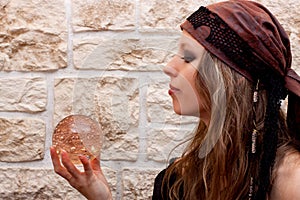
276,92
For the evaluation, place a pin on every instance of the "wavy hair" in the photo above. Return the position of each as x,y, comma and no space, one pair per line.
215,164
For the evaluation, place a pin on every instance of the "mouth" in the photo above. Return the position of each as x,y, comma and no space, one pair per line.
173,90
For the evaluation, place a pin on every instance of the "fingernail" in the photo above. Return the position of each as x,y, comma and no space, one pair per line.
83,157
64,152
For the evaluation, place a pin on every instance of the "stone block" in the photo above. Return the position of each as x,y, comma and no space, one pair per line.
110,100
33,35
36,183
138,183
165,15
21,139
166,143
23,94
128,54
103,15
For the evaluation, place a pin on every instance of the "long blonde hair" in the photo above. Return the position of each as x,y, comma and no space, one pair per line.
222,172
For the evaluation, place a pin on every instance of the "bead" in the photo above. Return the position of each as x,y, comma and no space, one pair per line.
255,96
253,139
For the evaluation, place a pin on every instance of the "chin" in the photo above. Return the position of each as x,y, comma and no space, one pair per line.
178,112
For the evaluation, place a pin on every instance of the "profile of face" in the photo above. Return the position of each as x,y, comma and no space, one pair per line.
182,70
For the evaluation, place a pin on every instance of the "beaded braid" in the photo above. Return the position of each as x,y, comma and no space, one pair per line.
253,154
275,92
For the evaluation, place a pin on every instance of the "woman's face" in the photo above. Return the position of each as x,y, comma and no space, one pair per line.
182,70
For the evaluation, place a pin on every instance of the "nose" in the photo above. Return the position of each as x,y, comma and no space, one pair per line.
170,68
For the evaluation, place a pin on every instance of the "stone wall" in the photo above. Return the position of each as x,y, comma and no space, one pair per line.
103,59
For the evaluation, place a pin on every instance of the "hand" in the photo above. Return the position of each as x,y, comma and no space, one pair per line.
91,183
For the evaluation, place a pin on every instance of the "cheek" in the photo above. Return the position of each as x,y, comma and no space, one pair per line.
193,104
187,102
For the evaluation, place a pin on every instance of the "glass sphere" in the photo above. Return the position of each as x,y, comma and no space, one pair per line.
78,135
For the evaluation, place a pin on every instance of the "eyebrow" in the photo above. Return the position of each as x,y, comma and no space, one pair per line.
183,44
188,48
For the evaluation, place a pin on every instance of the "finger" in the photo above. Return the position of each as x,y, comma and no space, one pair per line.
54,157
58,168
69,165
95,163
86,165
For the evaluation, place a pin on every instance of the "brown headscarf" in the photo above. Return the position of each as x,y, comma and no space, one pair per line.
259,28
248,38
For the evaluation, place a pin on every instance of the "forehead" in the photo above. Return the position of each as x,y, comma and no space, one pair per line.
188,42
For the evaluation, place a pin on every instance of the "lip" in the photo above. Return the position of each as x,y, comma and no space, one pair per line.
173,90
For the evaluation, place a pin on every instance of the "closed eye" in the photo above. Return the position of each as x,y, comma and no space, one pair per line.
188,57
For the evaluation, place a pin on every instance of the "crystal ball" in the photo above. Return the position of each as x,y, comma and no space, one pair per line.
78,135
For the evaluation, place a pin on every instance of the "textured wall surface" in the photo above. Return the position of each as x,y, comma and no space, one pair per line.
104,59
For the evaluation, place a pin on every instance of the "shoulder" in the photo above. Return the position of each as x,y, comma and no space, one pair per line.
286,184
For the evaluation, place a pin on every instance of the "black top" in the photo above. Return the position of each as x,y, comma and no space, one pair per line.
158,194
158,186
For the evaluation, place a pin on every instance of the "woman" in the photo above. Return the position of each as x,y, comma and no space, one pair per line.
232,70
